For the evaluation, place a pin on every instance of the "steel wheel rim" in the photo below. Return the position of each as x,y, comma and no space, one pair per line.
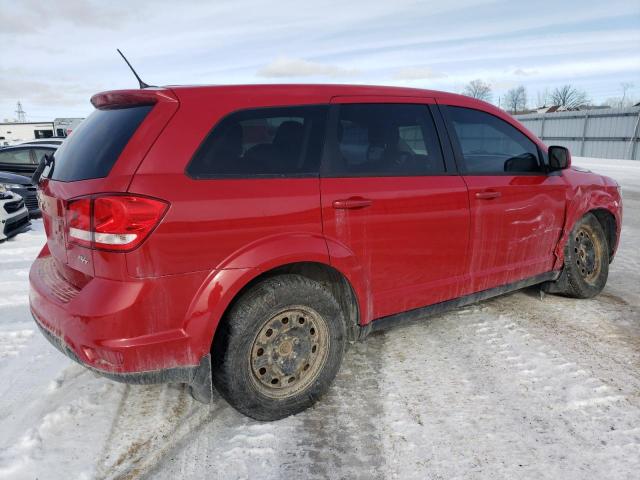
289,351
588,254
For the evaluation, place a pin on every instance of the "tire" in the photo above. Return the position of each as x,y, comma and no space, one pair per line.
586,261
279,347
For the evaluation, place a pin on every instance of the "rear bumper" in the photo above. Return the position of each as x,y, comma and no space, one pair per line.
198,377
129,331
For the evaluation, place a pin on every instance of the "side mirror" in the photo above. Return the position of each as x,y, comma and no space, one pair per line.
559,158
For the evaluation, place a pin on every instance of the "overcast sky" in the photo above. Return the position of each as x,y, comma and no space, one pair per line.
56,54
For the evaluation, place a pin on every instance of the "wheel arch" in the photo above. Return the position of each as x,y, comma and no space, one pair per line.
608,223
223,288
603,206
334,280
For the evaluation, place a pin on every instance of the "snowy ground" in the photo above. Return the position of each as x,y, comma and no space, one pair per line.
517,386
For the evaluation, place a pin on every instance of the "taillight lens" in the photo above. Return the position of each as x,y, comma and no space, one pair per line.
79,222
113,222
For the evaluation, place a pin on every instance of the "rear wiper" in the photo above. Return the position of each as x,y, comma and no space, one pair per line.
47,160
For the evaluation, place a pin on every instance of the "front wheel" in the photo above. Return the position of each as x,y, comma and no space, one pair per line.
586,261
279,348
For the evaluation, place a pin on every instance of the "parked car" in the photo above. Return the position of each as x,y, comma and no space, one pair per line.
24,159
24,187
245,234
14,217
49,141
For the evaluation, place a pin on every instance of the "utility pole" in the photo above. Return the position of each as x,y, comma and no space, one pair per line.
22,115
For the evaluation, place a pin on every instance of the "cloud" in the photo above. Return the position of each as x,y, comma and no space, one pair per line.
58,53
521,72
297,67
33,16
417,73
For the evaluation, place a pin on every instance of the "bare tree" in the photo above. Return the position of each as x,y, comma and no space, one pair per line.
625,100
568,96
626,86
516,99
478,89
543,97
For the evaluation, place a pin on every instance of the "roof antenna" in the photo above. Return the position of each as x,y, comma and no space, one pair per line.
142,84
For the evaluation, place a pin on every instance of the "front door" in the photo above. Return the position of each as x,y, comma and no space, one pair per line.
517,209
388,198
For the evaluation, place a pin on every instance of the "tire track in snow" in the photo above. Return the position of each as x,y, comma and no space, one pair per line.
229,446
484,397
596,414
75,404
604,331
151,421
339,436
435,401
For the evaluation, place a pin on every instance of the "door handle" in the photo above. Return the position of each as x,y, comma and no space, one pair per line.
352,203
488,195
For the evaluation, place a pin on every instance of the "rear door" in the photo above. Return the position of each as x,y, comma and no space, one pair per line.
390,198
517,209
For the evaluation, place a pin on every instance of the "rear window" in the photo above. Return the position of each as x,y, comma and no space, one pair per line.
93,148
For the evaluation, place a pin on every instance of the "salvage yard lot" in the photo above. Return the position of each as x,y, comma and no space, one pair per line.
521,386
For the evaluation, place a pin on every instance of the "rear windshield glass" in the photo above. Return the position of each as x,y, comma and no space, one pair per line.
93,148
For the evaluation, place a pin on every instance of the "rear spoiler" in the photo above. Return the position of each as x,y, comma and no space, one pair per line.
131,98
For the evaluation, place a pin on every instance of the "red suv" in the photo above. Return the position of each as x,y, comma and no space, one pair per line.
245,234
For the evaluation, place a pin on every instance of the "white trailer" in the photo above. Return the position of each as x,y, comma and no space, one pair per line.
14,132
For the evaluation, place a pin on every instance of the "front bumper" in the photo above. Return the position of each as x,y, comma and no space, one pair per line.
29,194
14,225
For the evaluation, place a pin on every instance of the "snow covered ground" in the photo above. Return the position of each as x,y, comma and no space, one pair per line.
515,387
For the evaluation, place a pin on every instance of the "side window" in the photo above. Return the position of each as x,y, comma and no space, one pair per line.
18,156
491,145
39,153
43,133
385,140
282,141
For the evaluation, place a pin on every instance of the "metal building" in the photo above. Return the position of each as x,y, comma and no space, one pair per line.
602,133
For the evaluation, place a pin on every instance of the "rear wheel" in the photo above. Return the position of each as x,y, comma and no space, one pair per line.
279,348
586,261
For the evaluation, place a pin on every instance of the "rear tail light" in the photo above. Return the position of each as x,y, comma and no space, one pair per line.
79,221
113,222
